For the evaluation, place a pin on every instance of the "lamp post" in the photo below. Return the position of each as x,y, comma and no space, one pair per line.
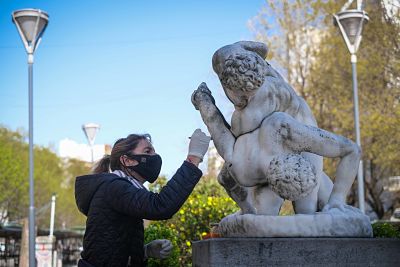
350,23
31,24
52,214
90,130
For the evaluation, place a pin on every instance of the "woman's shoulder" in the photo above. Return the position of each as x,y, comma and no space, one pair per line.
114,178
96,176
100,178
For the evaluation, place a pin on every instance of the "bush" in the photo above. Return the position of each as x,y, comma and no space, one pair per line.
385,230
194,220
208,204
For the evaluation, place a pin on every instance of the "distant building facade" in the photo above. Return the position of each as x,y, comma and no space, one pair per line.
214,162
71,149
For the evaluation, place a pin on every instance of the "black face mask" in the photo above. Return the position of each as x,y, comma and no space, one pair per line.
149,166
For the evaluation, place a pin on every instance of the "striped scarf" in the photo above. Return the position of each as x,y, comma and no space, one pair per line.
133,181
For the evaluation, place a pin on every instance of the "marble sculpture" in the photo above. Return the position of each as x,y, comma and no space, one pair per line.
273,150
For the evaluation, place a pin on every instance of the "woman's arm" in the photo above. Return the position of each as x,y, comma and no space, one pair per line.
141,203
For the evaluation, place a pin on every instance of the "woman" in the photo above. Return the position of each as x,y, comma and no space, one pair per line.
116,203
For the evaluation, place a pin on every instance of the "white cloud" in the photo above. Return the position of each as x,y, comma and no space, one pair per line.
71,149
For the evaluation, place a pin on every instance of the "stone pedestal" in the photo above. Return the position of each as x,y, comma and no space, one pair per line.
236,252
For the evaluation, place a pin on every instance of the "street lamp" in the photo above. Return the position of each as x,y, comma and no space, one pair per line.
350,23
31,24
90,130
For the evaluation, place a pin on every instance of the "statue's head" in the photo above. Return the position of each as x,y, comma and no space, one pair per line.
241,69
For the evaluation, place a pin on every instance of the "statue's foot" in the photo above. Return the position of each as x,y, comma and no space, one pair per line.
243,212
340,206
336,203
248,209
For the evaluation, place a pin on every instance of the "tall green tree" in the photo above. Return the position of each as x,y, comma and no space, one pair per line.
13,175
52,175
290,29
327,83
14,182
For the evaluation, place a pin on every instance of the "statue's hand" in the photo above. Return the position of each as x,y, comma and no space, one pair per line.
202,94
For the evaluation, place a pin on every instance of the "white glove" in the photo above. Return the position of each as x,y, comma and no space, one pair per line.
198,145
159,249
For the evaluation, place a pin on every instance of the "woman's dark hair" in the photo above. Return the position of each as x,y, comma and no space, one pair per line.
121,147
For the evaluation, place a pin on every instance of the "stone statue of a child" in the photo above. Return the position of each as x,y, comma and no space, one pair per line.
273,141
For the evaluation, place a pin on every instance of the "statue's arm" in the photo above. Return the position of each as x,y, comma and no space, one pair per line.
217,125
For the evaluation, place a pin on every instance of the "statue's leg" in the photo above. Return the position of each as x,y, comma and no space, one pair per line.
265,201
317,199
237,192
325,190
297,137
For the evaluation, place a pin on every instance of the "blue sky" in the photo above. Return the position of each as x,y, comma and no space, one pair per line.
129,66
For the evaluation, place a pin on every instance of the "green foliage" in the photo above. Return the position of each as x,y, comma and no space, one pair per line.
51,175
68,213
385,230
48,178
286,209
208,204
14,183
160,182
378,90
159,230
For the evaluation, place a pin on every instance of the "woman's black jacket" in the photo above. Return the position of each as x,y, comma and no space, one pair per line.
115,208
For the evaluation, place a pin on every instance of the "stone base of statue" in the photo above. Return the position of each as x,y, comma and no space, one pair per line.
296,252
349,222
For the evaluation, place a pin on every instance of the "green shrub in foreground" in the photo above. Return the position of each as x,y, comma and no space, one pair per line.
208,204
385,230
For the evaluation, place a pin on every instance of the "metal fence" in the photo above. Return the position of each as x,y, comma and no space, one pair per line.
68,246
9,251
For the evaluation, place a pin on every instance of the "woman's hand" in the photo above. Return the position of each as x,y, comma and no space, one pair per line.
158,249
198,147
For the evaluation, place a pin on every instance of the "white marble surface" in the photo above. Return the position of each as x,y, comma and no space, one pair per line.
349,222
